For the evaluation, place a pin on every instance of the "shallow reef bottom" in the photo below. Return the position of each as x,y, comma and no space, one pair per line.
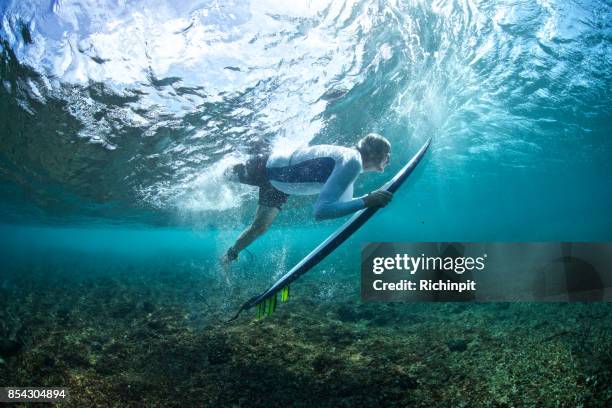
157,339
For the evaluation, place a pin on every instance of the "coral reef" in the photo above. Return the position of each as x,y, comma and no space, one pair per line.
158,338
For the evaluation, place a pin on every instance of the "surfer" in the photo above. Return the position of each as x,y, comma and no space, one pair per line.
327,170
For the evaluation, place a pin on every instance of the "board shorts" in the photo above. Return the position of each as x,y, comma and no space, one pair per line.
254,173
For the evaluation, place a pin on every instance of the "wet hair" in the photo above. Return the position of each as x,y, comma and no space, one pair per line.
374,146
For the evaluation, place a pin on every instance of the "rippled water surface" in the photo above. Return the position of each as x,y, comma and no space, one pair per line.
128,112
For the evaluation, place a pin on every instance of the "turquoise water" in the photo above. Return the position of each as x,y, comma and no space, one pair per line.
118,118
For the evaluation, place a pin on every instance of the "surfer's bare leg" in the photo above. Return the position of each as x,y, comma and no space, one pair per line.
263,219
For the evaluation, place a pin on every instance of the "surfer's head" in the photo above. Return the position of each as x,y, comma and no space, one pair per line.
375,152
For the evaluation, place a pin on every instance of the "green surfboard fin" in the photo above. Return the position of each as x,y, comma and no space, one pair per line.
285,293
268,306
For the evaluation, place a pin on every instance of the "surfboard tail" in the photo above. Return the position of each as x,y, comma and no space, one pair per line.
265,307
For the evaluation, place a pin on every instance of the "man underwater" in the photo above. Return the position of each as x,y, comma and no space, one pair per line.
327,170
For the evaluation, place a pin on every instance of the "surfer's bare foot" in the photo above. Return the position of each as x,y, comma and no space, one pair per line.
230,256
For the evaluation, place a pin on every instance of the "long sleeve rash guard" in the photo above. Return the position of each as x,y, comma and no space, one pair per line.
327,170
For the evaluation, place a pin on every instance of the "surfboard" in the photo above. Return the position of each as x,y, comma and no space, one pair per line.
267,300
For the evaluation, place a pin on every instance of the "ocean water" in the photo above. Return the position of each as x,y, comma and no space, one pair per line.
118,118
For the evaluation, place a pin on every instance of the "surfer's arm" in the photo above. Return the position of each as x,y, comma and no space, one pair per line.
330,203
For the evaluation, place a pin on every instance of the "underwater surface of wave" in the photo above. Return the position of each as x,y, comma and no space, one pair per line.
128,112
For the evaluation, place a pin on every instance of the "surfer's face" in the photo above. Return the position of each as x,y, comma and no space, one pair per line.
383,162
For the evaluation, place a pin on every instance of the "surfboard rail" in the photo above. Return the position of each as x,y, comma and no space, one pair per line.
267,300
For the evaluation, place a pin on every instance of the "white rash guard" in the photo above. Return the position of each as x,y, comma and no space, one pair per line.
327,170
